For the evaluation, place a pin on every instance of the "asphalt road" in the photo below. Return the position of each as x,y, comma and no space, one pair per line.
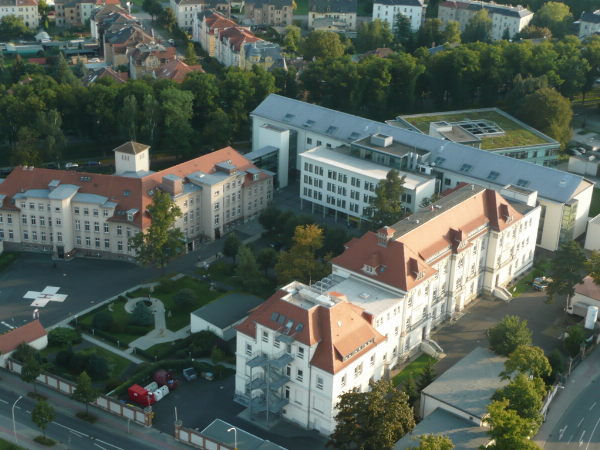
579,426
74,433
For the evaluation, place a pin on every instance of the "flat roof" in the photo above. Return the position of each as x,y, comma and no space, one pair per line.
218,431
465,435
470,383
340,157
395,148
372,299
227,310
516,133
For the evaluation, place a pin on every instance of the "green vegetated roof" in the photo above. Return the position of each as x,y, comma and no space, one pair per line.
515,134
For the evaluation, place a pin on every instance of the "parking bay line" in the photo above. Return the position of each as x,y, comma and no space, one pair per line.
106,443
70,429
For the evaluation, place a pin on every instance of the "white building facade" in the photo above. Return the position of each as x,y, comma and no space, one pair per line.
306,345
27,10
413,10
186,10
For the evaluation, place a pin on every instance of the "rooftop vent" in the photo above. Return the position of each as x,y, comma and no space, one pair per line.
381,140
339,323
364,296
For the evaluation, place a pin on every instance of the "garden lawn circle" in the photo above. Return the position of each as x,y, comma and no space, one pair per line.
153,303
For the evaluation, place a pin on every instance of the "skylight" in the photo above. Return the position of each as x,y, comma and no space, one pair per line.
331,130
274,317
288,117
466,168
439,161
126,193
354,136
281,319
493,176
299,327
309,123
523,183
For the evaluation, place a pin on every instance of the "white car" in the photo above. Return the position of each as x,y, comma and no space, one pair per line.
94,60
171,41
71,165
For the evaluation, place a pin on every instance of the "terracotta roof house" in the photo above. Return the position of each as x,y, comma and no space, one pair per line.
119,39
145,58
229,43
95,75
341,11
175,70
74,13
269,12
263,54
33,334
73,214
379,52
102,19
206,27
385,294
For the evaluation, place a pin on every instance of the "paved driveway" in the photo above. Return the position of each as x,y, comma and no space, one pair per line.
457,339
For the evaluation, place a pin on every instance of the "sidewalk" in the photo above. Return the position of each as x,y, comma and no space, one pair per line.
586,373
106,420
95,341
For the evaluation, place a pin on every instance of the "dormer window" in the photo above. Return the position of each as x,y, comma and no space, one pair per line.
369,269
255,177
421,275
130,217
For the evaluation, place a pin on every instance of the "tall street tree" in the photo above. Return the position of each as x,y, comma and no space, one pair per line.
177,112
524,397
85,392
508,335
30,370
247,269
372,420
431,442
508,430
162,241
42,414
385,207
231,245
555,16
566,270
321,45
373,35
526,360
479,28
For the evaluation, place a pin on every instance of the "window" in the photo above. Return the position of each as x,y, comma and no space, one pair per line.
371,361
106,228
308,140
493,176
97,242
128,232
96,227
78,239
32,220
106,243
265,336
10,234
358,369
343,381
86,212
25,235
439,161
523,183
248,349
319,382
396,331
300,375
128,247
95,213
59,236
105,212
120,246
34,234
466,168
24,219
9,218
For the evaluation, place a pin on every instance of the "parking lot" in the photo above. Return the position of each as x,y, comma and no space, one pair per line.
199,402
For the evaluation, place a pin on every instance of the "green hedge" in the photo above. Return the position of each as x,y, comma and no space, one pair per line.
180,345
101,334
177,366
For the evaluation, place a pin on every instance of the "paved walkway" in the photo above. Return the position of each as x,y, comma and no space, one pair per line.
99,343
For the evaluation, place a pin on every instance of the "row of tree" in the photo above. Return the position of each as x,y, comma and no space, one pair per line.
203,110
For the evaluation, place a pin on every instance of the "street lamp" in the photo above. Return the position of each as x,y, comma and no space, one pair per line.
14,423
235,436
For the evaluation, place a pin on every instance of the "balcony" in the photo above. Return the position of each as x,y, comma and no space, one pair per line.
258,382
280,360
273,402
276,379
258,359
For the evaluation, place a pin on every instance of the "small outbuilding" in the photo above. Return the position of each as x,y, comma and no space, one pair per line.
224,314
33,334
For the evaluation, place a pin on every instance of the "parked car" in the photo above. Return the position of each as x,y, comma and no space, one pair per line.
541,283
581,150
573,151
171,41
94,60
277,245
6,171
71,165
52,166
92,163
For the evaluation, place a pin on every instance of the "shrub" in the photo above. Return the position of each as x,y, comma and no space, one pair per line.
166,286
136,331
63,358
97,367
78,362
141,367
86,416
142,315
184,299
509,334
59,336
102,320
24,352
118,327
181,354
122,298
575,338
112,384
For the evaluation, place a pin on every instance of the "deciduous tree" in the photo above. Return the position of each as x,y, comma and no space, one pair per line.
385,207
451,34
524,397
431,442
42,414
30,370
162,241
479,28
13,26
292,38
85,392
177,112
372,420
129,118
321,45
300,263
555,16
231,245
508,335
507,429
247,270
574,340
373,35
410,390
566,269
168,19
266,259
526,360
191,59
427,375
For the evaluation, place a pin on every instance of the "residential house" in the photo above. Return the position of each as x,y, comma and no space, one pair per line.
145,58
175,70
388,10
285,128
590,23
95,75
32,333
27,10
185,10
75,13
118,41
269,12
506,19
340,11
70,214
263,54
378,52
206,28
306,345
330,24
229,43
107,16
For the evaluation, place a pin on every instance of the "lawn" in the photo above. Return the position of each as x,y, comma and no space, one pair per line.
120,364
415,367
5,445
7,258
525,283
515,135
222,272
302,9
120,316
595,204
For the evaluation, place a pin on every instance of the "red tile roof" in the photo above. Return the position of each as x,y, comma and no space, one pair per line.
217,21
337,331
175,70
405,255
27,333
588,288
237,37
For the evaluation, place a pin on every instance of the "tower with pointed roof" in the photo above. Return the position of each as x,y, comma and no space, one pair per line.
132,157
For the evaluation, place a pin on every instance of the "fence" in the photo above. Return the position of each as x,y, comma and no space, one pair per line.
572,363
138,415
197,439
